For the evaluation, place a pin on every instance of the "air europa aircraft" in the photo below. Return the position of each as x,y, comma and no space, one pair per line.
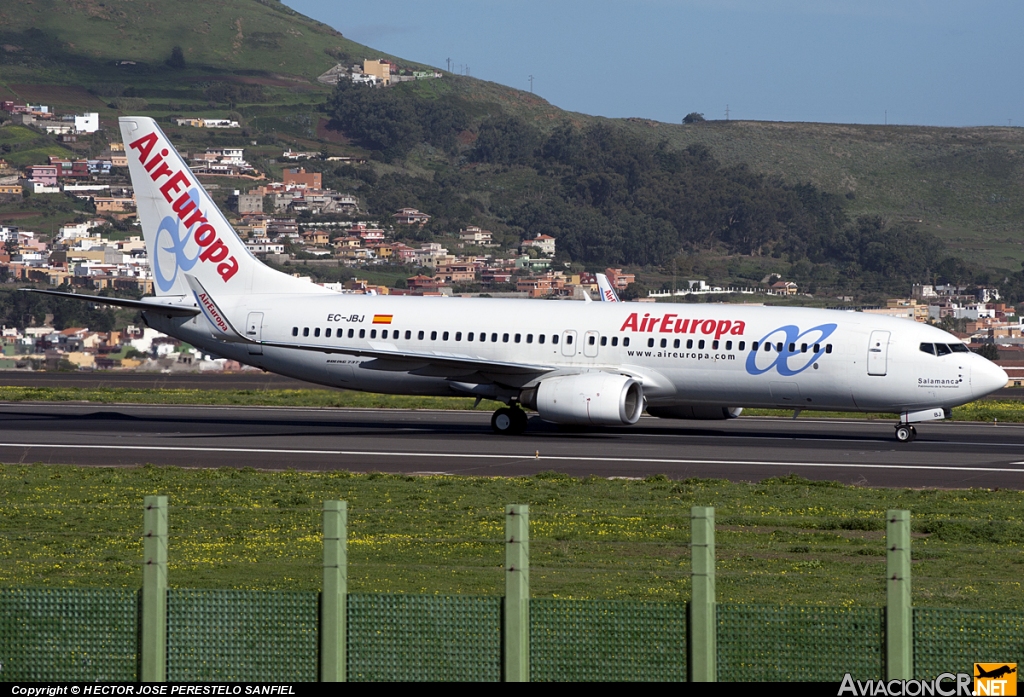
597,363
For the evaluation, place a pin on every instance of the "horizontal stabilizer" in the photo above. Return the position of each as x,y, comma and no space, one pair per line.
161,305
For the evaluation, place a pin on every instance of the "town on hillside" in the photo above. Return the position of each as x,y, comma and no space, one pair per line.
298,224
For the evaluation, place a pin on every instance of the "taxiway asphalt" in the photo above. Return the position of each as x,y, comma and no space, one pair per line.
949,455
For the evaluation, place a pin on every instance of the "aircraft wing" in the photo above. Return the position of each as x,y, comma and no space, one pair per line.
388,356
161,305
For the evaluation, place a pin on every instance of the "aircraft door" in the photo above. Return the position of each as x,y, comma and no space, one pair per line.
254,331
590,340
569,343
878,353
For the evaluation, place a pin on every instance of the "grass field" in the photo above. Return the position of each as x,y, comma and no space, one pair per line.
1008,411
781,541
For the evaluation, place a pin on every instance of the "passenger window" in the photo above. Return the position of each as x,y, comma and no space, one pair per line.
928,348
458,336
305,331
408,334
792,348
767,346
817,348
444,337
362,333
743,345
295,331
675,344
384,334
554,338
942,350
469,337
604,341
541,338
351,333
959,348
519,338
700,344
625,341
568,339
689,343
778,347
728,346
714,344
419,335
753,346
504,338
803,348
650,343
494,336
327,333
373,333
339,332
828,348
592,340
433,336
615,341
316,332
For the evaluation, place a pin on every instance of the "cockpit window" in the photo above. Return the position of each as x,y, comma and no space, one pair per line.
959,348
942,350
928,348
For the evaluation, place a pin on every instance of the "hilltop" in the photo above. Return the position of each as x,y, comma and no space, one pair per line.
259,60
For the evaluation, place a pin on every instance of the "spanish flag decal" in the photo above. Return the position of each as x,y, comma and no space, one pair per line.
382,319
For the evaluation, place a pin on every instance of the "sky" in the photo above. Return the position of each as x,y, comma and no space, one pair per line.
921,62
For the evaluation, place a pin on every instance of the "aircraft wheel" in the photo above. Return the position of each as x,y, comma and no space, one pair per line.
519,420
509,421
904,434
503,421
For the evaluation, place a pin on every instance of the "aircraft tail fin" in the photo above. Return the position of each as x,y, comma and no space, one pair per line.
604,286
184,230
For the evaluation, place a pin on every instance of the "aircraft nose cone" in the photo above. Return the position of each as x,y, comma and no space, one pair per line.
987,378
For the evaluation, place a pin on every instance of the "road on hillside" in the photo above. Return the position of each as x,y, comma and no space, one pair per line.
745,449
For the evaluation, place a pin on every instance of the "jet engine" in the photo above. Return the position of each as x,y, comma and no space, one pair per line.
590,399
697,412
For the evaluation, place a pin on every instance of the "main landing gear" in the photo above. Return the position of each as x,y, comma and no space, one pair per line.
905,433
509,421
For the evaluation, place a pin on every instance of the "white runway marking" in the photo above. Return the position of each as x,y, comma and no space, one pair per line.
521,457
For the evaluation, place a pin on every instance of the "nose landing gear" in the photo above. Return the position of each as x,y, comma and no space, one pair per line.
905,433
509,421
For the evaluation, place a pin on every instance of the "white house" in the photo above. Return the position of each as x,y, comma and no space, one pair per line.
89,122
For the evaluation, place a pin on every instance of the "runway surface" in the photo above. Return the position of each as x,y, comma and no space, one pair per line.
746,449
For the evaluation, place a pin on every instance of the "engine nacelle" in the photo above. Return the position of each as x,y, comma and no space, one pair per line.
590,399
697,412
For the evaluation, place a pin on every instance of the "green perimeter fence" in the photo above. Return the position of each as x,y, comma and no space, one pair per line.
164,634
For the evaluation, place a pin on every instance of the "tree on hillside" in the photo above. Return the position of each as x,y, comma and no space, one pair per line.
177,59
693,117
989,351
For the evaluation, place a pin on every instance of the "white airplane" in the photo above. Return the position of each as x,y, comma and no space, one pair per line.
599,363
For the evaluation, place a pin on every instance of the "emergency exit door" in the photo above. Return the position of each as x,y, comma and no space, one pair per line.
878,353
254,332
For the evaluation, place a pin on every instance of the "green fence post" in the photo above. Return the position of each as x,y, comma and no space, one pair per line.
703,625
154,590
899,613
517,593
334,596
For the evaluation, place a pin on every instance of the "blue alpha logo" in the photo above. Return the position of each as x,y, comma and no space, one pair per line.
788,350
169,252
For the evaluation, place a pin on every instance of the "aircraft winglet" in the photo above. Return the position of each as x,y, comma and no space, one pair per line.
219,320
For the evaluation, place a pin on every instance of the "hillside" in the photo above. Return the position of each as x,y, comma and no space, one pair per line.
258,60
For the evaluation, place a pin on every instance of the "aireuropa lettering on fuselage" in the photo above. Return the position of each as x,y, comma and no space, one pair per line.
672,324
186,208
